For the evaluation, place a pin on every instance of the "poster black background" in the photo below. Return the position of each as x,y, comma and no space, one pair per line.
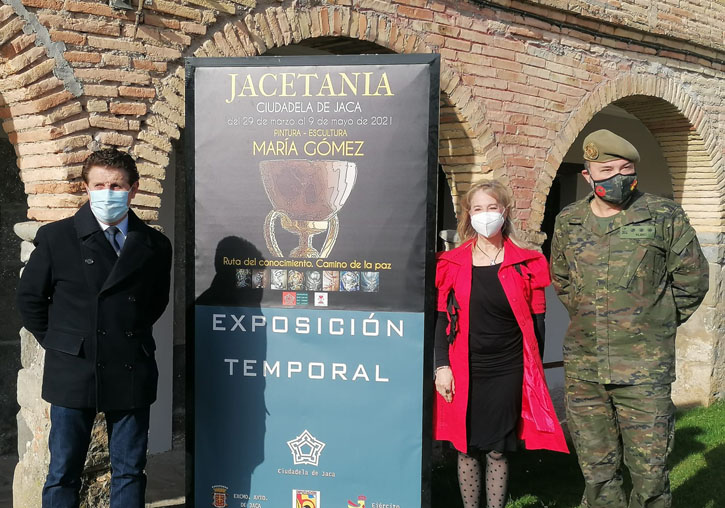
385,218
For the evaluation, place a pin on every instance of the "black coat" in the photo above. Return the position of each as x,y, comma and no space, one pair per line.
93,311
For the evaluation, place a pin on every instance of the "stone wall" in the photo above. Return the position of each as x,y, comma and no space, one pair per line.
519,81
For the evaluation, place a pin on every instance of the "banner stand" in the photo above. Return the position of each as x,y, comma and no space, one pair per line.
310,255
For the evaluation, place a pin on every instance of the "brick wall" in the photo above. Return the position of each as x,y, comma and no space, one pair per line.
512,85
700,22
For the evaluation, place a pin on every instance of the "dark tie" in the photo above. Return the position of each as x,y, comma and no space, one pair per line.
111,235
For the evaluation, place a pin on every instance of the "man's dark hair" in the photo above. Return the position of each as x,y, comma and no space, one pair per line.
112,159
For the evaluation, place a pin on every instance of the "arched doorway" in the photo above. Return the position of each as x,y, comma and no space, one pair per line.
675,163
568,186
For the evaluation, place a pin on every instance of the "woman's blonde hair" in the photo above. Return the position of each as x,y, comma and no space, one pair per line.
502,195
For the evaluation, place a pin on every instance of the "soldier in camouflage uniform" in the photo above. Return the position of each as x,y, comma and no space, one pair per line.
629,269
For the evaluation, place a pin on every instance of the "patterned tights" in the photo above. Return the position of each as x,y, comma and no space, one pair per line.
469,479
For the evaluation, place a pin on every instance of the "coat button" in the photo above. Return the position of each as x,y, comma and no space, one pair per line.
129,333
101,331
88,261
131,298
99,365
128,366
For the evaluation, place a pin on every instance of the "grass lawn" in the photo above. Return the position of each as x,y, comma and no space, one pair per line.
541,479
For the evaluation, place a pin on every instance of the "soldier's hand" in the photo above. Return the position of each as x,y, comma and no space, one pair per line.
445,384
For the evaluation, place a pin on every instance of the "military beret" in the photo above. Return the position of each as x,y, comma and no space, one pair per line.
604,146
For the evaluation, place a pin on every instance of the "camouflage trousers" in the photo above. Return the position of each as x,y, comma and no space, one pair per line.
609,423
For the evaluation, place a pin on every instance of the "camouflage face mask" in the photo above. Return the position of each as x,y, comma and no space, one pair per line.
616,189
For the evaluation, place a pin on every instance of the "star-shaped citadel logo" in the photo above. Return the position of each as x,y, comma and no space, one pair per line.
306,449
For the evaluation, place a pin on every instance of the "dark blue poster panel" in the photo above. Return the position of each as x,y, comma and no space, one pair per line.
311,248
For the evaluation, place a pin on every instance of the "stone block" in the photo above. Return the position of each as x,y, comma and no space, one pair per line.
50,214
174,84
692,386
30,350
29,387
128,108
28,481
101,90
37,105
149,65
151,170
147,215
109,122
50,160
150,154
33,91
151,185
56,200
109,59
193,28
27,230
25,435
159,53
114,138
162,125
26,248
165,111
147,200
161,142
57,173
716,279
59,145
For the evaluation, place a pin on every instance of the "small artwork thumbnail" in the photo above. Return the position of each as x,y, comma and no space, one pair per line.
313,280
295,280
369,282
331,280
260,279
349,281
278,279
243,278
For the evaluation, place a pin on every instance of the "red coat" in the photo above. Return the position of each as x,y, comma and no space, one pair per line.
538,427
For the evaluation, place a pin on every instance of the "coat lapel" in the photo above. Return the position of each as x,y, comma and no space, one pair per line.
97,255
136,250
463,257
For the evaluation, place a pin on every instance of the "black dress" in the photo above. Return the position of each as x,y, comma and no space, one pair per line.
496,364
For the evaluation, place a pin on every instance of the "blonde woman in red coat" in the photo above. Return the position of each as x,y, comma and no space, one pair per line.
489,378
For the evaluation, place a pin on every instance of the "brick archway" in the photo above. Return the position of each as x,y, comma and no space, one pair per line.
467,149
51,148
679,125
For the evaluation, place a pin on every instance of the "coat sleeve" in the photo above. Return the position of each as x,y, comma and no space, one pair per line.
687,266
35,288
163,279
560,276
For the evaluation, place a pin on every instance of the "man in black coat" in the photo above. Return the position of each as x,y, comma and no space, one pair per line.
90,293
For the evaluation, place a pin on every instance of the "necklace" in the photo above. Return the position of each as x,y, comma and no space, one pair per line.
493,260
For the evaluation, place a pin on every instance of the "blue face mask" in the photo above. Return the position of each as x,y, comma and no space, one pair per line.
109,206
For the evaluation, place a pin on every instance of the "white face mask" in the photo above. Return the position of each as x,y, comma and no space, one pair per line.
108,205
487,223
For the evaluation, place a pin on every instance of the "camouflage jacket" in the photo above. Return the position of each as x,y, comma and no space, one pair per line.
626,289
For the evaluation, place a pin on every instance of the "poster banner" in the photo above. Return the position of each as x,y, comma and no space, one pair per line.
313,194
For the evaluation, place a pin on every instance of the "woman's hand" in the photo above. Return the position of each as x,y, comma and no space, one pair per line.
445,385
